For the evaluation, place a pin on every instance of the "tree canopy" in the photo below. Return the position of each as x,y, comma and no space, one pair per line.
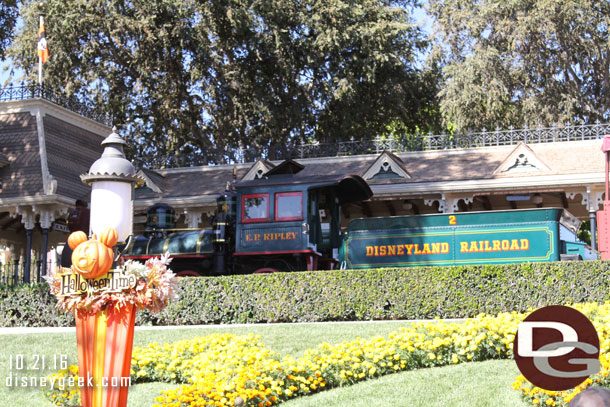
195,77
201,78
8,18
522,62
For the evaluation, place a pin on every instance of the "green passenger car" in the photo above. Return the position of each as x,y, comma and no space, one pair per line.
516,236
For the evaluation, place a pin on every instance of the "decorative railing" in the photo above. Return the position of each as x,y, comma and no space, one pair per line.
418,142
451,141
24,92
513,136
14,273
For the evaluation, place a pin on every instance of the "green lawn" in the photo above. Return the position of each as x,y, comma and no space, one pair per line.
481,384
473,384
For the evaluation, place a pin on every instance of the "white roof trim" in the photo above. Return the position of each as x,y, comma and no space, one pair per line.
386,162
258,170
149,182
522,159
595,181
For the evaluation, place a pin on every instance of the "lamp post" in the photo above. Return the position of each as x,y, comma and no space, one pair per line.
105,337
104,300
112,178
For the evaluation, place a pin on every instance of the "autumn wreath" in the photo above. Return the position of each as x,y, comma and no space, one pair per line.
90,285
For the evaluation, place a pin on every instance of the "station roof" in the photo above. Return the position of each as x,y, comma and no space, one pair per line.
424,172
43,150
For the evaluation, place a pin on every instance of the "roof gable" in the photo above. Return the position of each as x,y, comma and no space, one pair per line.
287,167
387,165
258,170
153,180
521,160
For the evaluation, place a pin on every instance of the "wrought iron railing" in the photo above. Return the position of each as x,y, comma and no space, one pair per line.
484,138
24,92
418,142
513,136
13,273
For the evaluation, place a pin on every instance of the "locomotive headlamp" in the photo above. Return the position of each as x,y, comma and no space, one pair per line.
112,178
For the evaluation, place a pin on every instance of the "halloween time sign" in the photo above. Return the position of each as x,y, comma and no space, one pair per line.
72,283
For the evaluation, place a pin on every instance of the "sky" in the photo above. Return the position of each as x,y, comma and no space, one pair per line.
4,74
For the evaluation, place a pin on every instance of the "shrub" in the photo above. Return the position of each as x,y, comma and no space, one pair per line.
30,305
410,293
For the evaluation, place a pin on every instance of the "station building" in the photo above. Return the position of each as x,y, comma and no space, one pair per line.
47,142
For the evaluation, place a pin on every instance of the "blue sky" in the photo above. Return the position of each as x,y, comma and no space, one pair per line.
4,74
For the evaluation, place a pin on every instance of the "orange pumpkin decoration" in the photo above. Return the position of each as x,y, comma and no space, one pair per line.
109,237
76,238
92,259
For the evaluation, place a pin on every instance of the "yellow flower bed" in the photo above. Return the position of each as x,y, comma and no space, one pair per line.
242,367
215,370
61,392
219,368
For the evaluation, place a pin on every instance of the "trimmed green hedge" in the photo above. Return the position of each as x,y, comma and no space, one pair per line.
30,305
412,293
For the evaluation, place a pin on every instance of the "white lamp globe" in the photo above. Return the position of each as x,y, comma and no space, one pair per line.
111,206
112,178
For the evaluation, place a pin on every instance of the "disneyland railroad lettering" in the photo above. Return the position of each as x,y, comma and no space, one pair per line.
408,249
113,281
477,246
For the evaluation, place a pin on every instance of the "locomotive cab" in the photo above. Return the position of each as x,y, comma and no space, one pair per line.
288,220
285,221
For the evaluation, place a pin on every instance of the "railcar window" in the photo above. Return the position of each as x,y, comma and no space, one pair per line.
288,206
255,208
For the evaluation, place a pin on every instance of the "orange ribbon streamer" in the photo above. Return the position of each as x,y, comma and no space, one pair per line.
105,343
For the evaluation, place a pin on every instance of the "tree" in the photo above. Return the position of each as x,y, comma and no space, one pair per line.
523,62
8,19
196,77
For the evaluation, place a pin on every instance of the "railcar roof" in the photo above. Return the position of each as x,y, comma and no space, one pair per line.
351,187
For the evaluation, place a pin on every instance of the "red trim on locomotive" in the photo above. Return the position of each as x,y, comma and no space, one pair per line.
243,207
288,218
312,263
